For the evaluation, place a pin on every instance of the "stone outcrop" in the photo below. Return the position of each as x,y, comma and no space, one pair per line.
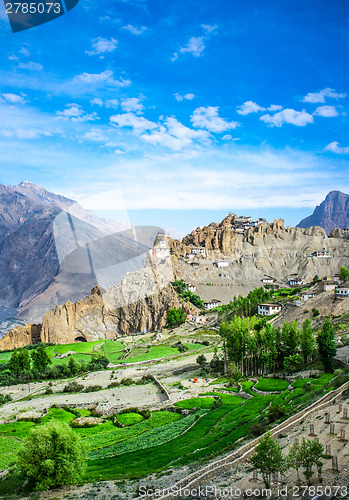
333,212
138,303
21,336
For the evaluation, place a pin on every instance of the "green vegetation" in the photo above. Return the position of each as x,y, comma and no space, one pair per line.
257,348
175,317
271,384
130,418
343,273
182,289
327,346
268,458
195,403
52,455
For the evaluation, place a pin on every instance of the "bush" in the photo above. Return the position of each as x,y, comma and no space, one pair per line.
258,428
315,312
93,388
48,390
113,384
127,381
73,387
5,398
52,455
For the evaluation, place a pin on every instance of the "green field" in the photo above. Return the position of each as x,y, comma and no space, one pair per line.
167,439
271,384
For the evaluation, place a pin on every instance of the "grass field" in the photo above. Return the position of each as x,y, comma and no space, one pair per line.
130,418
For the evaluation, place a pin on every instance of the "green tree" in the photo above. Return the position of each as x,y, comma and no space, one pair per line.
52,455
327,346
201,360
343,273
175,317
292,363
268,458
73,365
294,459
13,364
310,454
307,341
24,360
40,358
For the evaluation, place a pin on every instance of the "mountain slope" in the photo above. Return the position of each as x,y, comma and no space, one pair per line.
333,212
52,250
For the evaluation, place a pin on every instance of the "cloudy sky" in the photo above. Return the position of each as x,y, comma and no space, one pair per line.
178,112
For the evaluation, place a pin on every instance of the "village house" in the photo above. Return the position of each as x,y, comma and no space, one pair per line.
304,297
222,263
336,278
198,251
160,248
224,275
191,288
321,253
296,281
194,264
267,280
212,304
269,309
342,291
328,284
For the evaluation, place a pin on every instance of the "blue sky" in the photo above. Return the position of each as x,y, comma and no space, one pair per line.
175,113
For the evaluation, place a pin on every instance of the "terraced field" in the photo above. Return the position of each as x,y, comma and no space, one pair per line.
200,428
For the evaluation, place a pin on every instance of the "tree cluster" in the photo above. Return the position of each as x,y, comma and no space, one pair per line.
175,317
25,365
268,458
258,348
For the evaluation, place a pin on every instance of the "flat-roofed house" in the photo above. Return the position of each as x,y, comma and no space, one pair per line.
269,309
342,291
222,263
212,304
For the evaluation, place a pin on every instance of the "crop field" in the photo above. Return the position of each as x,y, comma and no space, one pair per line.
212,424
271,384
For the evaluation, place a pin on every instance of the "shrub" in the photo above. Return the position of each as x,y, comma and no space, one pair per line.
73,387
113,384
48,390
93,388
315,312
127,381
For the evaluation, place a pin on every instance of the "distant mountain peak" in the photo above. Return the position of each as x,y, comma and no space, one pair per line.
333,212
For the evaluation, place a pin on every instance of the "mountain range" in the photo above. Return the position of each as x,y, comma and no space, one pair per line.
332,213
52,250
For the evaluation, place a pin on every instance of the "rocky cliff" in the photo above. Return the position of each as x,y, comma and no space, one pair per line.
332,213
139,302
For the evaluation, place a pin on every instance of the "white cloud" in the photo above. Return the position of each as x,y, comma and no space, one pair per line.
134,30
209,119
95,135
321,95
334,147
249,107
298,118
12,57
106,77
13,98
179,97
97,101
137,123
21,133
275,107
24,51
32,66
195,46
111,103
209,28
75,113
102,46
132,104
175,135
326,111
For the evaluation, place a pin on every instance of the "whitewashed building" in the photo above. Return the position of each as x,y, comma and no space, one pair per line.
295,281
342,291
267,280
321,253
198,251
191,288
161,248
222,263
212,304
269,309
224,275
